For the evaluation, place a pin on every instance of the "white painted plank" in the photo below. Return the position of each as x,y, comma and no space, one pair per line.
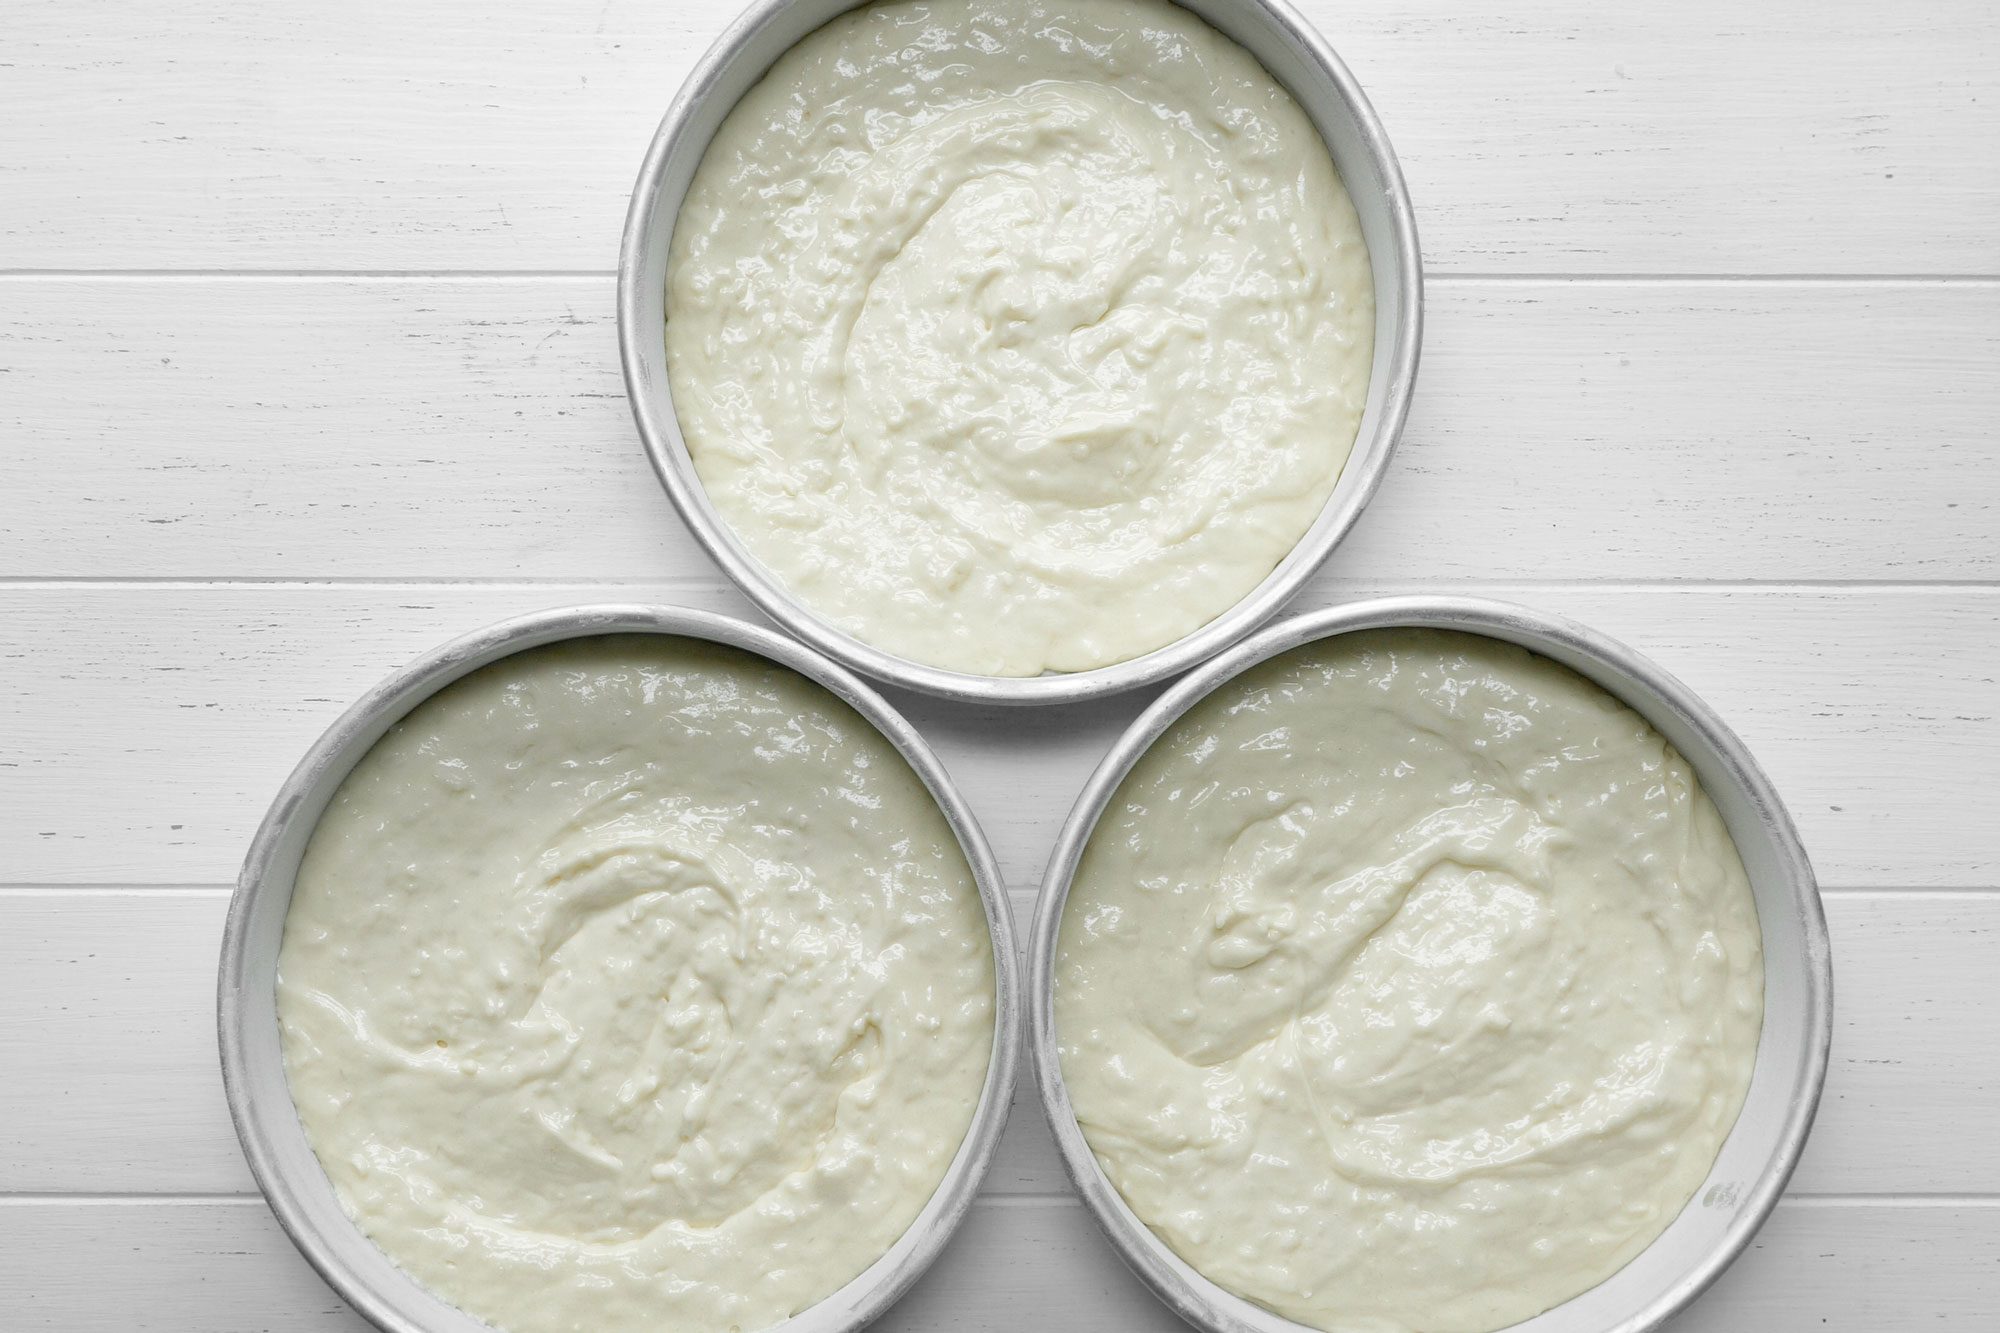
109,1044
146,727
447,429
112,1086
1538,135
1913,1089
225,1267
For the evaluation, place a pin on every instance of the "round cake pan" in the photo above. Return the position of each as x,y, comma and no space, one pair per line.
253,1071
1758,1156
1300,59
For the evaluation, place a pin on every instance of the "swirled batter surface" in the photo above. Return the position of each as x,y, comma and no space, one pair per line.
1018,335
1409,982
635,983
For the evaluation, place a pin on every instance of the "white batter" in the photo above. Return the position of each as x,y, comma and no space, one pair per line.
1410,982
1018,335
631,984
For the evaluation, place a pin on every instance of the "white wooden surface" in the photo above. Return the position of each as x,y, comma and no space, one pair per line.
307,362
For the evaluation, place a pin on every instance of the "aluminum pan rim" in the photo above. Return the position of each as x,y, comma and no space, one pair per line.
265,1123
659,427
1197,1300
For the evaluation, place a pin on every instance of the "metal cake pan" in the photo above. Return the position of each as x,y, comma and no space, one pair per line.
1300,59
1761,1150
253,1072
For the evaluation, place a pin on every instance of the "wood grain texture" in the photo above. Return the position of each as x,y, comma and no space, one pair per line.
444,429
147,726
225,1267
1638,405
1537,135
113,1086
